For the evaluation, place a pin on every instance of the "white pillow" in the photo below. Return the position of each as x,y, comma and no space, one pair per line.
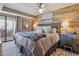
47,29
39,30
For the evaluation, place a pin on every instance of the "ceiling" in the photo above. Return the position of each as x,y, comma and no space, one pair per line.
32,8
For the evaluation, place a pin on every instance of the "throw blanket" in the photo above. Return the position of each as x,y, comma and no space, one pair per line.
27,41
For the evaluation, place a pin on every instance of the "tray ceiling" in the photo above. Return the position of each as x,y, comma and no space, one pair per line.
32,8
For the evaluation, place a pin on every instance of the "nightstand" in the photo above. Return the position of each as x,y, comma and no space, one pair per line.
68,41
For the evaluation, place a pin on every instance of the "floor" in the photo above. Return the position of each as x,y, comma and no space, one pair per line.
8,39
10,49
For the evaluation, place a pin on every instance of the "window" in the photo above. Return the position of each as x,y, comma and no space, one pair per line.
11,25
7,28
2,28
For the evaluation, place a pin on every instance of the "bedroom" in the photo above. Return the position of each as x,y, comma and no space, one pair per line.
39,29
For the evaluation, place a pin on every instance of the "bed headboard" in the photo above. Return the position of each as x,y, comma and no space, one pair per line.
51,25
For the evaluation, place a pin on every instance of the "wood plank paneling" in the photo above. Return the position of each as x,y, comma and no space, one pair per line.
67,9
71,12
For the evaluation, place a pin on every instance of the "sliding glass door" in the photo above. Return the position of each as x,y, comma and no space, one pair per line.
7,28
10,28
2,28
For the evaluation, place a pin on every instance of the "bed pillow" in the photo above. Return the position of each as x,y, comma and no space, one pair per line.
39,30
47,29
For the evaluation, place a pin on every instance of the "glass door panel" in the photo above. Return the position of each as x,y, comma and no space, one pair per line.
11,25
2,28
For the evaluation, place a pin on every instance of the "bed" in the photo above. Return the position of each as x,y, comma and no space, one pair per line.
25,41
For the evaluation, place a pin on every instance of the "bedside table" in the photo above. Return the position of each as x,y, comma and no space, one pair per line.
68,41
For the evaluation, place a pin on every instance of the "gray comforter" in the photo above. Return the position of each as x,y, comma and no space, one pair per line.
25,41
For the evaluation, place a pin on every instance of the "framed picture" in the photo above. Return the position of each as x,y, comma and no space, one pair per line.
25,25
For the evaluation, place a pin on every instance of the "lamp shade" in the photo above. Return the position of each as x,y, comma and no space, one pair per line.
65,24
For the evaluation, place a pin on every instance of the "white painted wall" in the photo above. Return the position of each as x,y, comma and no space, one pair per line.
1,6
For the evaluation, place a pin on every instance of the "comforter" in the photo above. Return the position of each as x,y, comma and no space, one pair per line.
25,41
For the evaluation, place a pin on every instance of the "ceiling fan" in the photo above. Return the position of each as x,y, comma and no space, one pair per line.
41,7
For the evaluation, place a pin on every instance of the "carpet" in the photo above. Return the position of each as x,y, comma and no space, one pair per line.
10,49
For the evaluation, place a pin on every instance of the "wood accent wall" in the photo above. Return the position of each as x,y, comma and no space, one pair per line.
70,14
67,9
67,12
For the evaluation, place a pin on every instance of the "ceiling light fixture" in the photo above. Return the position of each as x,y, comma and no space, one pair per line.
41,10
42,5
